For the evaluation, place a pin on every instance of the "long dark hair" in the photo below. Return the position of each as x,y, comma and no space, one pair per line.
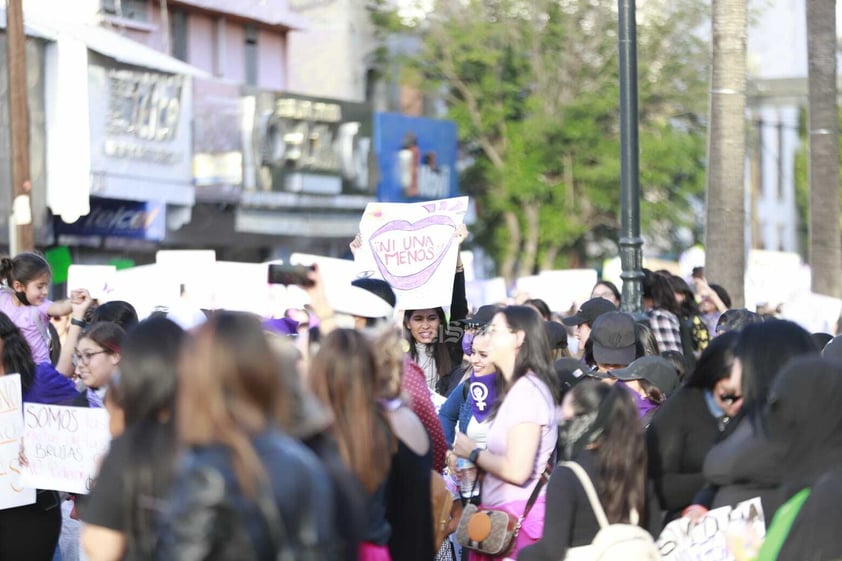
617,446
715,363
534,354
658,288
688,307
17,354
438,348
763,350
147,387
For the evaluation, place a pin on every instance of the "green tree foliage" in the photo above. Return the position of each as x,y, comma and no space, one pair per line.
533,87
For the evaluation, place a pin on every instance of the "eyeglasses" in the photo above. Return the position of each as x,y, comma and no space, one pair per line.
730,397
85,358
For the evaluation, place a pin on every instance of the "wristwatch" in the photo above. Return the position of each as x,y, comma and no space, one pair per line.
474,455
78,323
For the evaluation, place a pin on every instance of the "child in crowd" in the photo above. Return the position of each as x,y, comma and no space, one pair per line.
24,299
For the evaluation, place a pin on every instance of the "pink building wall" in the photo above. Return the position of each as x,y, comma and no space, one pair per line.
203,48
271,61
200,41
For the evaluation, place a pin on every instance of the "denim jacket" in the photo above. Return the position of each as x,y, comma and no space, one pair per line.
210,518
456,410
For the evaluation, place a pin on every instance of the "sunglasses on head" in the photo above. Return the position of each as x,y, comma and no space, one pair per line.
730,397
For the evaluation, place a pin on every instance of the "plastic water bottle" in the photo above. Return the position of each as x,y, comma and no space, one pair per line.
467,478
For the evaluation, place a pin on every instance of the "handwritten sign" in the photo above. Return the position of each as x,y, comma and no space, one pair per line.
64,446
723,534
413,247
12,491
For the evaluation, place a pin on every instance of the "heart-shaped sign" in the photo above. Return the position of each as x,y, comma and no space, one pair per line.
408,253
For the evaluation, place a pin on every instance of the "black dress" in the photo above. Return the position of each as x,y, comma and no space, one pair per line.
408,505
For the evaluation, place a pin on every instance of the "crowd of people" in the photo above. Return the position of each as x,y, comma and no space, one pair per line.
340,433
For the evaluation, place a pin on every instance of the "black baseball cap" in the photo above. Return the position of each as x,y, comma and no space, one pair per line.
654,369
614,337
589,311
556,334
482,316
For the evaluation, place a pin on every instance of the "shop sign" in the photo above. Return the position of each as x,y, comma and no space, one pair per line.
416,158
310,146
140,125
121,219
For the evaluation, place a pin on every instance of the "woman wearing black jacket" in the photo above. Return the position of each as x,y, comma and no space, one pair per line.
688,424
744,464
602,434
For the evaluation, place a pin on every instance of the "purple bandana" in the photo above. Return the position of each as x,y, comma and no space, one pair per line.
468,343
482,392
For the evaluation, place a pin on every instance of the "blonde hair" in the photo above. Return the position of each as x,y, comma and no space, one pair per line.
230,390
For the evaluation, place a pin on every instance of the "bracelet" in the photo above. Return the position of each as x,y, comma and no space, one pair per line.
78,323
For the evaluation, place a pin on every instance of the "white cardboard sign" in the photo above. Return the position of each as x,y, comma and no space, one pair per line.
12,491
413,247
64,446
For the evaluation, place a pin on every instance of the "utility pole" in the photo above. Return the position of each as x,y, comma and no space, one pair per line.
20,224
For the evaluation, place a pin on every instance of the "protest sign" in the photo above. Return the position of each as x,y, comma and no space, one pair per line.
12,491
64,446
722,534
413,247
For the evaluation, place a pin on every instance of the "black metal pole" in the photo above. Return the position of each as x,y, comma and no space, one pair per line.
631,254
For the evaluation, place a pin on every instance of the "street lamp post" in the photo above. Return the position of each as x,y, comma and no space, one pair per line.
631,255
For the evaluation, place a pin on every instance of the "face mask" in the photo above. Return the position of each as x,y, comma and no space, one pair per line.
22,297
571,432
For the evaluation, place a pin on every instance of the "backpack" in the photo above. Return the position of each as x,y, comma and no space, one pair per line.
613,542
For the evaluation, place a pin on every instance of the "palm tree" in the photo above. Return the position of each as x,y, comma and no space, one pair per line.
825,241
726,217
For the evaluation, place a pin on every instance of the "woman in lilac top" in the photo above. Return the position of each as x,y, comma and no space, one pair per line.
523,432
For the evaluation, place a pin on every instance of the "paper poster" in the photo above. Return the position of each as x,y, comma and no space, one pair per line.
98,279
723,534
64,446
12,491
413,247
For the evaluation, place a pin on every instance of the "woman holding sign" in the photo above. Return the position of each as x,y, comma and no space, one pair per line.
31,532
434,344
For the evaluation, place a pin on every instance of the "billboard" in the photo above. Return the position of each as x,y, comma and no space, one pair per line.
139,220
416,158
307,146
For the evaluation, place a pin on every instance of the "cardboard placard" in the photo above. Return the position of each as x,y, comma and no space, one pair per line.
64,446
413,247
12,491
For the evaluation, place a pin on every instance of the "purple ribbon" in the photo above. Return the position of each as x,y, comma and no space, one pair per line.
482,391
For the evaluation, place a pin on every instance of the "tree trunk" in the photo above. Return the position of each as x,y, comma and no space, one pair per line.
825,241
507,267
726,217
529,255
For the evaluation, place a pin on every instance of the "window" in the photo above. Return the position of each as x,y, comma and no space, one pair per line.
251,55
137,10
178,34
